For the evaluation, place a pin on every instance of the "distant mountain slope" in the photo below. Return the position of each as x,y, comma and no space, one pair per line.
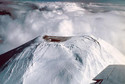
13,53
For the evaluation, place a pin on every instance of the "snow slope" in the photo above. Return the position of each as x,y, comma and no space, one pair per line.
75,61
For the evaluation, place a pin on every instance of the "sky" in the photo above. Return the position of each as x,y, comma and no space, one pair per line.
98,1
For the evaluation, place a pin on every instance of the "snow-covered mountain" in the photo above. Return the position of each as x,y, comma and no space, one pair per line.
75,61
95,31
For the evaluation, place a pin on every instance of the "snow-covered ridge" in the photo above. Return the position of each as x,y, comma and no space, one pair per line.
75,61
